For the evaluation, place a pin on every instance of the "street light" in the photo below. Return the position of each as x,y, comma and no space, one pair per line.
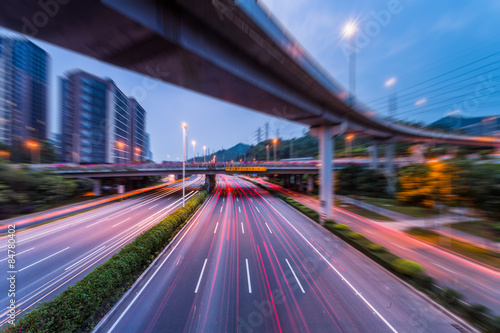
204,154
275,143
350,32
267,153
34,147
184,126
194,154
349,139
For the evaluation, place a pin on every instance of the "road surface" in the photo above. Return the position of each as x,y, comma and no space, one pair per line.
53,256
247,262
478,284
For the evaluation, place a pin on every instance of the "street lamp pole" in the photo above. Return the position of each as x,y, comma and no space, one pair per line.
267,153
275,142
194,153
204,154
350,31
184,126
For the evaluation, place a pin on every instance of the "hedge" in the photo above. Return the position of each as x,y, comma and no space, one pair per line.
80,307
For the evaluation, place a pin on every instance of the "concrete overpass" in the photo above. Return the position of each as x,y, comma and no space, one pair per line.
233,50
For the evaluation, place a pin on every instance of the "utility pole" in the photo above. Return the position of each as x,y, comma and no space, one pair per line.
267,131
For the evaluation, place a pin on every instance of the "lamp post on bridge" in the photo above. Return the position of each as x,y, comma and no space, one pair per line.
194,153
350,32
184,126
204,154
275,143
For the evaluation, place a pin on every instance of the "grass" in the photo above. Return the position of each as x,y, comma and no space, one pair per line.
477,228
482,255
361,211
396,206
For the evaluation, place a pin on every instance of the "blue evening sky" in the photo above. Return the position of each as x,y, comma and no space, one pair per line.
444,55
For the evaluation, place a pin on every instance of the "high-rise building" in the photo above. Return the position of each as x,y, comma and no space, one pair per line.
149,153
24,69
99,124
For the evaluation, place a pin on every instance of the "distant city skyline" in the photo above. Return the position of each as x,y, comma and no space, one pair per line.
406,40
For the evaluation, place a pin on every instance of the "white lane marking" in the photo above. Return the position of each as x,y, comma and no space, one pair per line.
268,228
201,275
18,254
192,222
446,269
237,199
300,285
216,227
153,206
242,228
251,199
120,222
84,258
239,209
248,277
333,267
221,208
104,219
257,209
39,261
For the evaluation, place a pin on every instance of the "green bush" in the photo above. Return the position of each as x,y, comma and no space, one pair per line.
340,226
407,267
330,221
355,235
375,247
80,306
451,296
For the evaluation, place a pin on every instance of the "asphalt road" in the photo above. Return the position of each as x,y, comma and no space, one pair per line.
478,284
247,262
53,256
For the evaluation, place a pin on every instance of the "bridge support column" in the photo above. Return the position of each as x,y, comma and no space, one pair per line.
374,155
310,184
210,180
300,184
389,168
325,135
452,150
97,186
417,153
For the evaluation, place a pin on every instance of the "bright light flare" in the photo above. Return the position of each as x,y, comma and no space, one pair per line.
421,101
350,29
390,82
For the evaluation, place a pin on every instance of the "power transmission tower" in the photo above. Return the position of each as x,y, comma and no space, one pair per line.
258,135
267,131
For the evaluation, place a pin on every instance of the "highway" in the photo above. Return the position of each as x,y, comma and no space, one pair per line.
53,256
247,262
478,284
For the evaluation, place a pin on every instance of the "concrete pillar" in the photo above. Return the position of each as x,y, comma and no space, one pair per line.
97,186
374,155
210,180
389,157
452,150
310,184
301,184
389,168
417,153
324,135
